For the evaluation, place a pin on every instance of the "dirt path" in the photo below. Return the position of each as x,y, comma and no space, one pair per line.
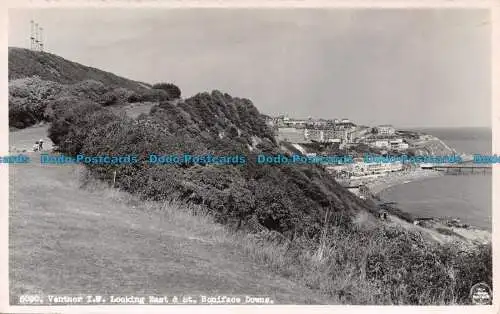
64,239
24,139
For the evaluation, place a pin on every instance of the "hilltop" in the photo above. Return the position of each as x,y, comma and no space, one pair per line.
40,80
50,67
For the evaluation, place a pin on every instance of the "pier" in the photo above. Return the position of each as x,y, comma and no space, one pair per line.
463,169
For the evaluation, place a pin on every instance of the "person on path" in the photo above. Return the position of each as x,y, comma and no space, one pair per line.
40,144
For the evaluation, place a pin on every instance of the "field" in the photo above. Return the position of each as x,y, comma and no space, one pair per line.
65,239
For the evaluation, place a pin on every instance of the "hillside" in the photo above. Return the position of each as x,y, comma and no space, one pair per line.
322,237
141,248
49,67
291,199
38,81
433,146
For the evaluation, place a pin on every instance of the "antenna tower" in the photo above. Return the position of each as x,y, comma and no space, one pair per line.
32,35
41,39
36,37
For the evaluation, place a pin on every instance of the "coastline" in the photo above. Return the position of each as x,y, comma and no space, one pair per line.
434,225
377,185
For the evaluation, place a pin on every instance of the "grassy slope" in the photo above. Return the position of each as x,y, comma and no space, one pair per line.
20,140
64,239
26,63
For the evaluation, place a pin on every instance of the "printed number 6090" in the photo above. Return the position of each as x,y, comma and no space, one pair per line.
28,299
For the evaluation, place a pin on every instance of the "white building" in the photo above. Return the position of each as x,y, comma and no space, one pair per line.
386,130
363,169
314,135
398,144
381,144
403,146
334,140
333,135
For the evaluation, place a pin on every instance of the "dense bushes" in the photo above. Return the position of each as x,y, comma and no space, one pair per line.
32,100
23,114
284,198
150,95
158,93
410,270
69,126
96,91
172,90
28,99
381,265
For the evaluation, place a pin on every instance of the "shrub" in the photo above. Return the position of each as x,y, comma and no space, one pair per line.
172,90
133,97
149,95
20,114
73,122
89,89
116,96
28,100
388,265
32,100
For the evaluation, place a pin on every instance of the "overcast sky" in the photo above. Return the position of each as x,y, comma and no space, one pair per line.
410,68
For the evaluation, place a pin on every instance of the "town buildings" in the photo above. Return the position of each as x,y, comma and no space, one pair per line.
388,143
314,134
341,131
398,144
359,168
347,134
386,130
332,131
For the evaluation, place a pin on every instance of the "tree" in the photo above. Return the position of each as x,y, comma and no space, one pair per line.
173,91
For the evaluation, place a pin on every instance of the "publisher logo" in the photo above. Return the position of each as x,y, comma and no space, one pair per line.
480,294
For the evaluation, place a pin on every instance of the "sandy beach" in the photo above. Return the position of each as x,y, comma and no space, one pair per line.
377,185
468,234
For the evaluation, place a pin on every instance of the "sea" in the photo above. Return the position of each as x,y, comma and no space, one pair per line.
467,197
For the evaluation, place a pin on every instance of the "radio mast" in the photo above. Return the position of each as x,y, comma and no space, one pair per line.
32,35
36,36
41,39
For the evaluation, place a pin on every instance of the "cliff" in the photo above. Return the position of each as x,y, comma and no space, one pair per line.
430,145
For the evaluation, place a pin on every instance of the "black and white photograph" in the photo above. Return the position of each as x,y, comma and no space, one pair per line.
250,156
